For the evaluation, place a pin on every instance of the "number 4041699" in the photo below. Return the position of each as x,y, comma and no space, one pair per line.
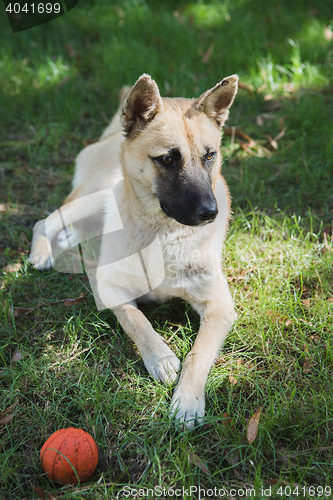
307,491
38,8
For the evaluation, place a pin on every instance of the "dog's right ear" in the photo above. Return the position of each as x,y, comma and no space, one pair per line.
140,105
217,100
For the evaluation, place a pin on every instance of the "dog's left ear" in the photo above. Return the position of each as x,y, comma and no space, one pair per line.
140,105
216,102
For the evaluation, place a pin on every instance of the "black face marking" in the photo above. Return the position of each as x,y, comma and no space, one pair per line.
185,191
188,197
171,160
188,203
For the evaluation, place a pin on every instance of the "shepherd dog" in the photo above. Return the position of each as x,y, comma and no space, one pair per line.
154,181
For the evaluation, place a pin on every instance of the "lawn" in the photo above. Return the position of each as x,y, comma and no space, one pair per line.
63,363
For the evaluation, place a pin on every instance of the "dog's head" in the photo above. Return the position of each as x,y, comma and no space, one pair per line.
172,148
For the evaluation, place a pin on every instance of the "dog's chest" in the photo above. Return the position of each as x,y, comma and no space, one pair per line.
189,262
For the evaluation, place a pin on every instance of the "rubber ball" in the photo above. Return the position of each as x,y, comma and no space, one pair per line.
69,456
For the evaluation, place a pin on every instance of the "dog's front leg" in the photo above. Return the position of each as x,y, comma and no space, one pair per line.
160,361
217,316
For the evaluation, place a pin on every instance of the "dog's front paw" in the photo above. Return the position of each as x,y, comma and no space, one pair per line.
187,405
162,364
40,253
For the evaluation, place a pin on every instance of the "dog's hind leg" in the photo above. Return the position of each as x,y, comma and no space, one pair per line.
217,316
74,210
160,361
40,247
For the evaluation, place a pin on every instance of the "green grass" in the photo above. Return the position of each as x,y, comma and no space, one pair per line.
59,87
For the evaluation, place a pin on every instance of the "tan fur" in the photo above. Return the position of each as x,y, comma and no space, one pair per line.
191,254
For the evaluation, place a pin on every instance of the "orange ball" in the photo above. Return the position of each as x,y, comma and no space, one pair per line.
69,455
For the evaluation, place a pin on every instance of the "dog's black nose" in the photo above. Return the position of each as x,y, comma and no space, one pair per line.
207,211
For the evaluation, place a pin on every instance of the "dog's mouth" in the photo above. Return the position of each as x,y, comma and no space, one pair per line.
165,210
208,221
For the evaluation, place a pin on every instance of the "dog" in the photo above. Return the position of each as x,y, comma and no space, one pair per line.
161,159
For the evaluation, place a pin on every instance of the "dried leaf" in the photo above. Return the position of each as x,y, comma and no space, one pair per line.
260,120
206,427
281,123
306,302
233,131
252,428
232,458
17,356
273,482
280,134
6,419
251,142
42,494
6,416
268,116
244,86
273,143
232,380
208,53
220,360
177,15
286,454
70,50
307,364
324,448
12,268
63,81
305,322
227,422
288,87
20,311
279,318
328,33
198,462
15,312
74,302
242,274
121,13
87,141
3,208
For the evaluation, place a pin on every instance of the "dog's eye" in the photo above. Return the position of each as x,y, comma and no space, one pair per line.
210,156
167,160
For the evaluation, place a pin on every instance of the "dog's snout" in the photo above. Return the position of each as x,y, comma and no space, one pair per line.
207,211
191,209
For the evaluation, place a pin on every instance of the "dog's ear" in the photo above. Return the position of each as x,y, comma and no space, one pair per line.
140,105
216,102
